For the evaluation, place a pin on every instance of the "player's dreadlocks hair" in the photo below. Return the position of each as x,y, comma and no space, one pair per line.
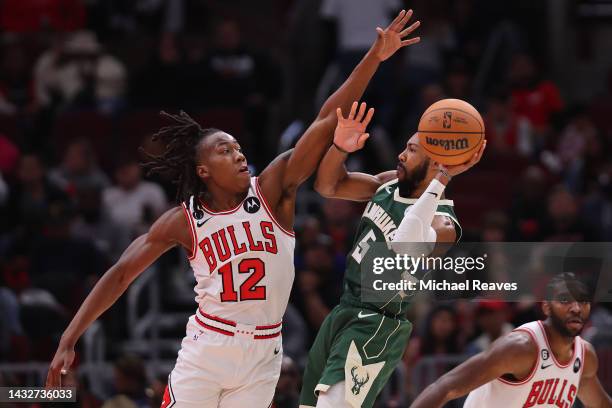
178,161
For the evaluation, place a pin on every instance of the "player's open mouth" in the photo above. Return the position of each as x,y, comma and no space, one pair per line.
400,169
243,169
575,323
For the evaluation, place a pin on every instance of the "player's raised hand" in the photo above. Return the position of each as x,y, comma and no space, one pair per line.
394,36
350,133
64,356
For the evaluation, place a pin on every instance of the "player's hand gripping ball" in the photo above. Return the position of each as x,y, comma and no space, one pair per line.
451,131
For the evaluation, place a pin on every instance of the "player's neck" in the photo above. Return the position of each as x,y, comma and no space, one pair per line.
218,199
561,345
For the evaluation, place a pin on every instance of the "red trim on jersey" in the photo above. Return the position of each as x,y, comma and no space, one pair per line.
224,212
266,336
218,319
274,326
194,236
267,208
535,366
551,351
213,328
583,362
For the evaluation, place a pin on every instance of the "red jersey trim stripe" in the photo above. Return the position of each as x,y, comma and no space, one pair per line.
218,319
551,351
213,328
267,208
535,366
194,236
266,336
274,326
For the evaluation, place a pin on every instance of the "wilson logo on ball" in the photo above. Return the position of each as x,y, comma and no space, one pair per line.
448,144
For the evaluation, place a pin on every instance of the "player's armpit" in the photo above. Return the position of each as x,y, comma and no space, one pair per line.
513,354
591,392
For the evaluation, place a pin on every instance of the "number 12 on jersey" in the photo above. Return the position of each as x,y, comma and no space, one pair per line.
249,289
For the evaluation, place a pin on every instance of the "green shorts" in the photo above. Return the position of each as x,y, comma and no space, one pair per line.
358,346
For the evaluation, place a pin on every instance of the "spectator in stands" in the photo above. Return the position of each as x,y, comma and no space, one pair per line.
133,202
533,97
295,335
492,321
65,266
507,132
93,221
31,198
597,208
130,384
9,155
563,223
458,80
353,24
579,151
600,109
10,324
288,388
78,75
15,80
79,169
439,335
527,214
319,284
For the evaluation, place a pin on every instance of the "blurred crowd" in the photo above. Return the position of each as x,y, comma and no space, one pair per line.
81,85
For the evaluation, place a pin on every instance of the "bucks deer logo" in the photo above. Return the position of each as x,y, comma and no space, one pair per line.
359,379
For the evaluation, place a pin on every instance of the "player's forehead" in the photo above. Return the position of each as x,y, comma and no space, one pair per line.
217,139
413,141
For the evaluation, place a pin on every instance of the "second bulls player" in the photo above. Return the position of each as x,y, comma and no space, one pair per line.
238,232
540,364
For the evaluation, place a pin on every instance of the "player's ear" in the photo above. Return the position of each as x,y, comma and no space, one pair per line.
202,171
546,308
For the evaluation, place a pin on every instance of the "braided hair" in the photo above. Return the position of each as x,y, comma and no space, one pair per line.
178,161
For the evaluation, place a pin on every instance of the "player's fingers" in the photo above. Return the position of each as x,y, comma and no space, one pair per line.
368,117
410,29
351,115
362,109
380,32
397,19
362,140
404,19
411,41
339,114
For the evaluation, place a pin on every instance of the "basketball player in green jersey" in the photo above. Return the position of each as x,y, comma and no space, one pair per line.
360,343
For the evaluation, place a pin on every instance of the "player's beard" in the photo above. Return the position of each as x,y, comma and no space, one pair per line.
413,178
559,325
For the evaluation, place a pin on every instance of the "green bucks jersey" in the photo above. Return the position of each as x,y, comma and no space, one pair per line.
378,223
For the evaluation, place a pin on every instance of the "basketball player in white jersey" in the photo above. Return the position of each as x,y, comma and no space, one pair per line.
237,230
540,364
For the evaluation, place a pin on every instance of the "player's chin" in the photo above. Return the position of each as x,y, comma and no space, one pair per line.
574,327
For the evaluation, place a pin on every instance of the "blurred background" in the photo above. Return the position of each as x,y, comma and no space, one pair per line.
81,86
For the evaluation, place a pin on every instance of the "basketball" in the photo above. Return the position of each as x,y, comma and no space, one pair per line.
451,131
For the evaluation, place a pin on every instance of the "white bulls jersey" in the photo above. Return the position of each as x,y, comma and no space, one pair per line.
242,260
550,384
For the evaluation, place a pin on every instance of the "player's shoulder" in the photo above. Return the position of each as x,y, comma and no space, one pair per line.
591,363
519,343
172,225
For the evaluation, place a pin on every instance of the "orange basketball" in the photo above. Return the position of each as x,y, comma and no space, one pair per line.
451,131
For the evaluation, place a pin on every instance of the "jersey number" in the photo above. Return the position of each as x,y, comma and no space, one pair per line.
249,289
362,247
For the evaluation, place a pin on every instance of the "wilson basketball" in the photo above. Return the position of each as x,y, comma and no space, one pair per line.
451,131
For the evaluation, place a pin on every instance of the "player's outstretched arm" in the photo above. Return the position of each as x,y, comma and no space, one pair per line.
513,354
591,393
333,180
169,230
288,171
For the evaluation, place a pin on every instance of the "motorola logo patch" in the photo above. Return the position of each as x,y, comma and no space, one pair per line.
251,205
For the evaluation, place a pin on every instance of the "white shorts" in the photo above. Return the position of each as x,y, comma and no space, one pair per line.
216,370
